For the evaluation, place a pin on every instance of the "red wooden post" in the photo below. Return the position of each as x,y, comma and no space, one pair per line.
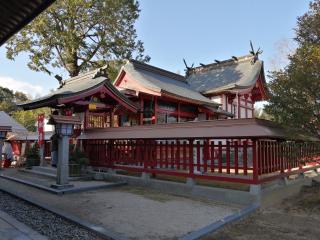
136,152
129,152
145,154
262,155
254,162
271,156
236,157
245,157
212,157
167,155
268,157
191,156
258,143
141,152
220,157
228,156
184,155
120,159
172,158
198,156
151,159
178,154
112,153
205,156
161,156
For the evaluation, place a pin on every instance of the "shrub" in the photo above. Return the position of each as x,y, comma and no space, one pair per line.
33,156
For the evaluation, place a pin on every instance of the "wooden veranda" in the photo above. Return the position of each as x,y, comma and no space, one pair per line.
247,151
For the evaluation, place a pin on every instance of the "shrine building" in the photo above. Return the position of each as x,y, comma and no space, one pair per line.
143,94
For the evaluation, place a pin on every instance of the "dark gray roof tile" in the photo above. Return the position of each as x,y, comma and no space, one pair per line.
163,81
225,75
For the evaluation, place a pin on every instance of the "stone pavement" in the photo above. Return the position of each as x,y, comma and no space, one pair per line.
11,229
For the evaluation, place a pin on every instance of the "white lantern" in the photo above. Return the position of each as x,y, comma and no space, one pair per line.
64,124
64,129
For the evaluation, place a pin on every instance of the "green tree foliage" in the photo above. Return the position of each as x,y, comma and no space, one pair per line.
29,118
77,35
295,99
8,101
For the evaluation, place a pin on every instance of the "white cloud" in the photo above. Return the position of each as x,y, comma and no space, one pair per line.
16,85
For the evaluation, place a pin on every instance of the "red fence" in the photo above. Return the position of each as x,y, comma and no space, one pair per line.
241,160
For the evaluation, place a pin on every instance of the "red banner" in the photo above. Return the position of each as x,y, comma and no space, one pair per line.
41,129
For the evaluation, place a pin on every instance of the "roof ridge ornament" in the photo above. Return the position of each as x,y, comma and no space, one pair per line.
188,69
255,54
60,80
102,72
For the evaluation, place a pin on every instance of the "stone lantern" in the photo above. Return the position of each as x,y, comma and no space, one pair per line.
3,133
64,129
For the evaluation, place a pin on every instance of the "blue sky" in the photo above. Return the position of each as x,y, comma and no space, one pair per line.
197,30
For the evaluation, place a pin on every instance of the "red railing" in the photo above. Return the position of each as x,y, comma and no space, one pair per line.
241,160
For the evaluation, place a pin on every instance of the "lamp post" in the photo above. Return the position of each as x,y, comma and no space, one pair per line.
64,129
3,133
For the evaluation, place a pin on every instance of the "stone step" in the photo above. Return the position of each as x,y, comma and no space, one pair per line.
39,173
49,170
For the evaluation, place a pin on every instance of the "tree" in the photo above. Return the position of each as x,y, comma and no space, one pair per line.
29,118
8,100
77,35
295,90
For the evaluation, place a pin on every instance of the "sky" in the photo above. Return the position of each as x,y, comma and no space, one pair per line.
196,30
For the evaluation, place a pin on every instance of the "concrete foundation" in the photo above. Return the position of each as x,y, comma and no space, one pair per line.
283,181
186,190
190,182
145,177
255,189
258,194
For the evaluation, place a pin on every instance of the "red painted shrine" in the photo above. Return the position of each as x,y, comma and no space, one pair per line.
143,94
200,125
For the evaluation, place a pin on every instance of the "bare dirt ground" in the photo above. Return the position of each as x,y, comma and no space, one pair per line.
297,217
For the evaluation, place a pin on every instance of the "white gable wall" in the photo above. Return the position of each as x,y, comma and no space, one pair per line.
242,109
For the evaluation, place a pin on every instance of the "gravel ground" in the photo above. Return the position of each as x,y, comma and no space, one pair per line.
42,221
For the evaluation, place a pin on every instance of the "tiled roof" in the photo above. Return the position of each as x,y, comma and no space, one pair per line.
15,14
225,75
6,120
74,86
71,87
163,81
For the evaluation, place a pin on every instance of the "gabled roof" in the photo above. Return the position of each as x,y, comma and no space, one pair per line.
78,87
6,120
162,81
15,14
226,75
